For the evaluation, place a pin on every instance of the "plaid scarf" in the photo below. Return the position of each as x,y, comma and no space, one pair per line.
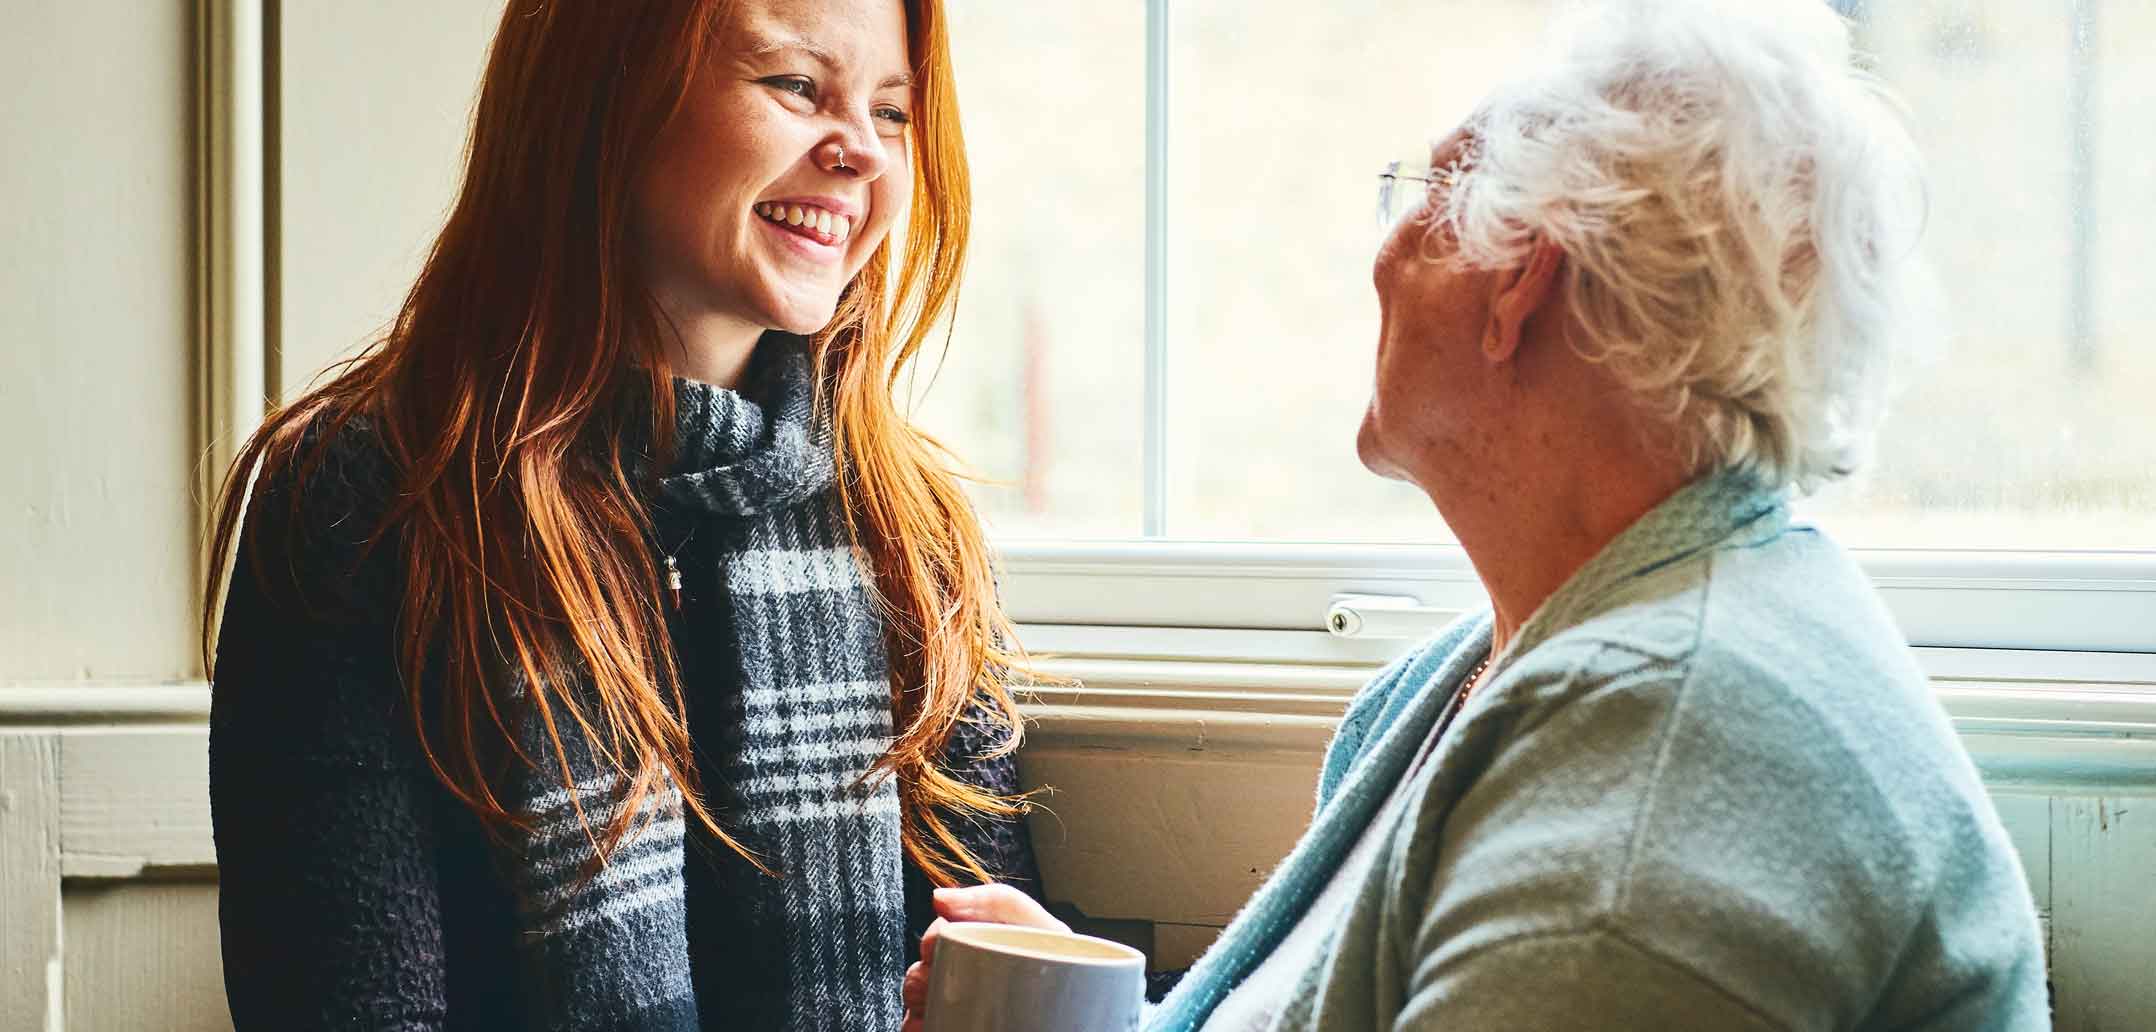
793,726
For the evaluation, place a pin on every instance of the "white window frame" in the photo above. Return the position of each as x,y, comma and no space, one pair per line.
2043,663
2026,614
2063,602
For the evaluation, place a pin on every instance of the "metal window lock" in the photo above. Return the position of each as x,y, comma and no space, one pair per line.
1383,616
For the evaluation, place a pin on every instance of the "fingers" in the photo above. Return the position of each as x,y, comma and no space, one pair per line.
1001,904
930,938
915,992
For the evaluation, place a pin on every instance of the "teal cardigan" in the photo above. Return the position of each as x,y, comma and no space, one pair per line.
1706,787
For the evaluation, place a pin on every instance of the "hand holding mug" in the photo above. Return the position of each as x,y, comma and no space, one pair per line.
1000,904
995,961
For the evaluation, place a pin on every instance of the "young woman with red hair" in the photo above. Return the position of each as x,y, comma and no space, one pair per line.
603,649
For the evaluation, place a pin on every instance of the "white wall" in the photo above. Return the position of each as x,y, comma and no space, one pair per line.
375,97
98,412
104,412
96,340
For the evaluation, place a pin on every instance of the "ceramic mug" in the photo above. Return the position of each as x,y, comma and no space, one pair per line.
1006,978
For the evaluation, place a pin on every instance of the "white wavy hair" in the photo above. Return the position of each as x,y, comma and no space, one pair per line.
1739,207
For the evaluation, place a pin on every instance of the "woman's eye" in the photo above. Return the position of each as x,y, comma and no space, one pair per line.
893,115
794,84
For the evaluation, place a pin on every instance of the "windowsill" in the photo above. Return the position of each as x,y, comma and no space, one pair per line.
2034,601
2035,722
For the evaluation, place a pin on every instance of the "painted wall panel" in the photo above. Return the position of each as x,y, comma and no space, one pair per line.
143,955
2103,917
369,156
97,526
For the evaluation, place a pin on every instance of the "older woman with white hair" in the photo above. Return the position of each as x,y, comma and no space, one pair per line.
1685,772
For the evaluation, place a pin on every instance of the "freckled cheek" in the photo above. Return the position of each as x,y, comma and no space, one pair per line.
727,171
887,206
695,205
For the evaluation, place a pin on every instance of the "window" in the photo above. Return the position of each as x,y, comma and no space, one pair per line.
1041,388
1167,336
2032,432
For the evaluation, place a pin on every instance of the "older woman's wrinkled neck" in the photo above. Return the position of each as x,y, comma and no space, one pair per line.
1533,498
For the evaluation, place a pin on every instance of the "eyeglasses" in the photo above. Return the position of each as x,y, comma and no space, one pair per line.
1395,203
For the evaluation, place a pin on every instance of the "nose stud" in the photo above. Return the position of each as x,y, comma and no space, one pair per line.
841,163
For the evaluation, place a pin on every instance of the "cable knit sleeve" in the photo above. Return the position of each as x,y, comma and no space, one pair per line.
321,805
1004,847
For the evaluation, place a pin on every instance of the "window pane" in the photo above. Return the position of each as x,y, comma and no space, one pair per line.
1283,113
2033,431
1042,387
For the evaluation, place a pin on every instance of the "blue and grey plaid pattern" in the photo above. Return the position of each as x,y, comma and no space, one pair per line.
818,704
611,952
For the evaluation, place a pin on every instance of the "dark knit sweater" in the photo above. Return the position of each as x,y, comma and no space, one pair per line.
357,893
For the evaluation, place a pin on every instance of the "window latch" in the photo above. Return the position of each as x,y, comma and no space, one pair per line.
1383,616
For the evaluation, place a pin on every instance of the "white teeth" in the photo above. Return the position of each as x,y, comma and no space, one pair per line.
829,223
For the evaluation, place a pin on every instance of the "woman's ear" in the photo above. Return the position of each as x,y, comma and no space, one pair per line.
1521,292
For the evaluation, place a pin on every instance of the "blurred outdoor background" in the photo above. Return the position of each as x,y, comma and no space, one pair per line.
2034,429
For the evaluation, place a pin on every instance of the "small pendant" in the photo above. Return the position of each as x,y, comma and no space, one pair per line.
673,580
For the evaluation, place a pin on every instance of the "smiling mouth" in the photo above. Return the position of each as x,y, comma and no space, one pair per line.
818,224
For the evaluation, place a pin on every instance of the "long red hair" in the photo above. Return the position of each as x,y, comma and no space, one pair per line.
529,343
